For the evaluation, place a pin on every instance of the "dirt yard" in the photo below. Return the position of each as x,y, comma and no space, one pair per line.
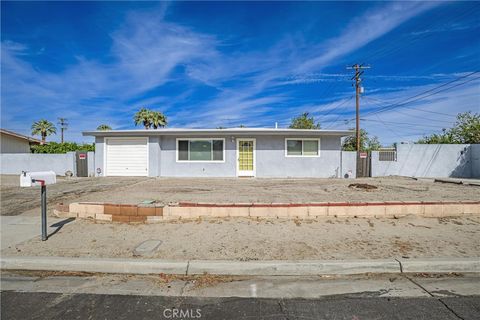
251,239
15,200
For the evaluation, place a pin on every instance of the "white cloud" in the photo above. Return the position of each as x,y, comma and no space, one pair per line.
364,29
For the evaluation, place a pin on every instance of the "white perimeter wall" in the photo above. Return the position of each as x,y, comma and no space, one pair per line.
15,163
431,160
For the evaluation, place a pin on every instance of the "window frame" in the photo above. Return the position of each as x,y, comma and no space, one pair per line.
199,139
302,155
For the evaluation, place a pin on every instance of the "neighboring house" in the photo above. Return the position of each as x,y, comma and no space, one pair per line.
12,142
241,152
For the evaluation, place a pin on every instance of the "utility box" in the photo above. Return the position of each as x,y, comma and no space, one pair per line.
26,178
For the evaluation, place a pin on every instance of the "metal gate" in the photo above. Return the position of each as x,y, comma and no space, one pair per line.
82,163
364,164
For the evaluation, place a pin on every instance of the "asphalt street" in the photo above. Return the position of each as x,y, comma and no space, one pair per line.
24,305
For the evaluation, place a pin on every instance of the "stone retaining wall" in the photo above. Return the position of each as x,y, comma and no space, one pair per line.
187,210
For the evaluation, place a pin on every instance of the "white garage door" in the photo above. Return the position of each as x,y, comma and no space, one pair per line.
126,157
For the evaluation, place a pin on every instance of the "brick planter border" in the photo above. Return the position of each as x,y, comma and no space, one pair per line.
131,213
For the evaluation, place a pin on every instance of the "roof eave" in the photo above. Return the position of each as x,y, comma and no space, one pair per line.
143,133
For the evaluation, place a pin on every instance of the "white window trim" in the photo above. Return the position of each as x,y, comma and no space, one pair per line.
199,161
302,155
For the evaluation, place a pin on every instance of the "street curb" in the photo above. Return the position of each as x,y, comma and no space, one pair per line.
102,265
440,265
293,268
232,267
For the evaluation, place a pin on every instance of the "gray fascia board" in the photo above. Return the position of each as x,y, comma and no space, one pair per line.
217,132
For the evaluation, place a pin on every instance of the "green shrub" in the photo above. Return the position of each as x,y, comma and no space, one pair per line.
55,147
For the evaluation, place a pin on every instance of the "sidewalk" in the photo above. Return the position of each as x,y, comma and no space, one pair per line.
18,229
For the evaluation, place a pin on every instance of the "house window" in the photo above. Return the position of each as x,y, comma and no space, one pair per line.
302,147
203,150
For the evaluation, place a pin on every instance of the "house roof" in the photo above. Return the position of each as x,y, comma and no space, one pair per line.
20,136
207,132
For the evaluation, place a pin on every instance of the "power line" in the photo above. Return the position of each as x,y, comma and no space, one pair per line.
419,109
424,94
337,106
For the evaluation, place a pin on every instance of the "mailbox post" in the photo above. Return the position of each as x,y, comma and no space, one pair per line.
32,179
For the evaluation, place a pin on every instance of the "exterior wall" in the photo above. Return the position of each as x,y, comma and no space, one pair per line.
154,156
430,160
349,164
9,144
475,157
15,163
99,156
169,167
270,160
91,163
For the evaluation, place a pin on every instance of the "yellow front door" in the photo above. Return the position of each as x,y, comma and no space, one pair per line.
246,157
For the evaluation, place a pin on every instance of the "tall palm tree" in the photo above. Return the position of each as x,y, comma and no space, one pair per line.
104,127
143,116
43,128
158,119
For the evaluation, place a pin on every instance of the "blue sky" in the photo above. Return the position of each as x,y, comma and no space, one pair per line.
239,63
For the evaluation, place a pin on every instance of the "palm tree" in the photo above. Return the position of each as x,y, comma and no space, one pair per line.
43,128
158,119
143,116
150,118
104,127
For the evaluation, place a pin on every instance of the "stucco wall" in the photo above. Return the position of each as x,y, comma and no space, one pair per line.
9,144
349,164
15,163
475,157
99,150
169,167
270,160
430,160
154,156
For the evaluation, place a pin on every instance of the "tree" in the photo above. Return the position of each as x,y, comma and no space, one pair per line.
465,130
366,143
104,127
143,117
150,118
158,119
304,121
43,128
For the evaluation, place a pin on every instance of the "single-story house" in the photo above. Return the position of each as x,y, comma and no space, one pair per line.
12,142
239,152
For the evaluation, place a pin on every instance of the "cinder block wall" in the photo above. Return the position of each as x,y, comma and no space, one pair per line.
430,160
15,163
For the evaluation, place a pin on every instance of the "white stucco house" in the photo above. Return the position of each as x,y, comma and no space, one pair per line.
12,142
239,152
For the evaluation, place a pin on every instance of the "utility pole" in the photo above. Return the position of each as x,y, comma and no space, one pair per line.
63,125
358,89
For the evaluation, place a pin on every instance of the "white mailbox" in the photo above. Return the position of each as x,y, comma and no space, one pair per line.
26,178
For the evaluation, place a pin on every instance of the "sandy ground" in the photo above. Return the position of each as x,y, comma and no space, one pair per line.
15,200
251,239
